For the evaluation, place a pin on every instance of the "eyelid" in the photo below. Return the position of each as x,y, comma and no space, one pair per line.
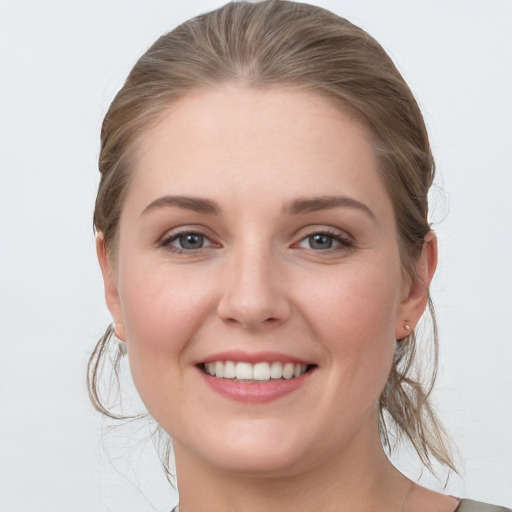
174,234
343,239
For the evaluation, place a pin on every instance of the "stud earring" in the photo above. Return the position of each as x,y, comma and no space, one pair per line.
407,327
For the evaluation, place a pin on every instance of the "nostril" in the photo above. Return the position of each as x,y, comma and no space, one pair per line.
253,325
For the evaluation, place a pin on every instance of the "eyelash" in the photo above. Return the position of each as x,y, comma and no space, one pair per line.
167,241
344,241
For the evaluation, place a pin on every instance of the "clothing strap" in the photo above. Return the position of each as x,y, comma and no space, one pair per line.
477,506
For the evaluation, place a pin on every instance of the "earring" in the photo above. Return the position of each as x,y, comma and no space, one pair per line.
407,327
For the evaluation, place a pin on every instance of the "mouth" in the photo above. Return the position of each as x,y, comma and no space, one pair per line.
260,372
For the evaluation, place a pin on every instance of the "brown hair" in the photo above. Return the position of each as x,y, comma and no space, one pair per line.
279,43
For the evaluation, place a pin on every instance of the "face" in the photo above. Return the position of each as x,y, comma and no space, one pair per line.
258,283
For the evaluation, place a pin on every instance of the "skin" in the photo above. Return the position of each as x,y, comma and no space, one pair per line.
258,284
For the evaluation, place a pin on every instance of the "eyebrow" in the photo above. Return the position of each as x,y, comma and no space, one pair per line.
298,206
312,204
196,204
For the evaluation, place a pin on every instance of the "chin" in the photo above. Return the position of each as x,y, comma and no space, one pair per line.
259,462
257,449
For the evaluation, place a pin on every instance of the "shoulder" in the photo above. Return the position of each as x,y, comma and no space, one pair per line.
425,500
477,506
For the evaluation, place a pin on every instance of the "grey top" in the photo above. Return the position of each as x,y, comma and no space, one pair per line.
477,506
464,506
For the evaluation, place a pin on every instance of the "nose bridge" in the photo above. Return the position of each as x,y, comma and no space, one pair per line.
253,294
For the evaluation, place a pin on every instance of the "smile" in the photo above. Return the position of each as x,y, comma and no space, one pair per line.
255,377
262,371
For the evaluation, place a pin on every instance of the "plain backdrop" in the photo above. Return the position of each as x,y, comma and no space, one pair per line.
61,62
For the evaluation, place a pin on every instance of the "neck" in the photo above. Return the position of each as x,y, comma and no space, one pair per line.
357,479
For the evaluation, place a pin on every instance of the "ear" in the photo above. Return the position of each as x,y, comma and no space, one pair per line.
111,293
415,292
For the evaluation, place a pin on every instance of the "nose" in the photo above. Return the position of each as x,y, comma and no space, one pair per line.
254,291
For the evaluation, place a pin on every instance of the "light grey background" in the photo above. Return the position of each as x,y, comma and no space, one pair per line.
61,62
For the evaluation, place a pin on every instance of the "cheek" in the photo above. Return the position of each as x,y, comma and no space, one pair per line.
354,317
359,302
162,312
161,305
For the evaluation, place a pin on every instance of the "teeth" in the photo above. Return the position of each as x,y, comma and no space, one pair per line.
229,370
258,371
276,370
288,370
261,371
243,371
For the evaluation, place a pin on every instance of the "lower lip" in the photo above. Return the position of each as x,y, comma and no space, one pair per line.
255,392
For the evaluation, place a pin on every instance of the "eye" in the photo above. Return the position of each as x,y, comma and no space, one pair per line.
320,241
324,241
186,241
190,241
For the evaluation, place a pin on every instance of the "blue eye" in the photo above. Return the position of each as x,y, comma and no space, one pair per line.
326,241
320,241
190,241
186,241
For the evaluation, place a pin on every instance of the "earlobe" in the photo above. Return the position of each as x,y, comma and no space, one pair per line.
111,293
417,289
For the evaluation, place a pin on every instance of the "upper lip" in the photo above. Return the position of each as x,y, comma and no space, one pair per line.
253,357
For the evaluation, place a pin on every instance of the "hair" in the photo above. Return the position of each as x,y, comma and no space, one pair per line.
277,43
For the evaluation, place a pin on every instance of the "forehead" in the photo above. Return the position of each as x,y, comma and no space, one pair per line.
239,138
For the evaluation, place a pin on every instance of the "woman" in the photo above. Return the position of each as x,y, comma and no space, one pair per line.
263,238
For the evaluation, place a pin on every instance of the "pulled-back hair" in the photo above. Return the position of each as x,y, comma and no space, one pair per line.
276,43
